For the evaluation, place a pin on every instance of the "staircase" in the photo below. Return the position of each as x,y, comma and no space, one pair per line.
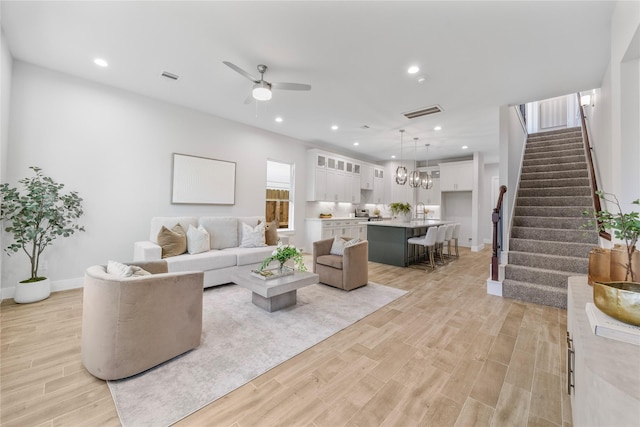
547,243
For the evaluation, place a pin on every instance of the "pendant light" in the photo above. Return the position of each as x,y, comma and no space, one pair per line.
401,171
414,176
427,180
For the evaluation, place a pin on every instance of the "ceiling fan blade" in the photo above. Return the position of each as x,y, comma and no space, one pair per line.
290,86
240,71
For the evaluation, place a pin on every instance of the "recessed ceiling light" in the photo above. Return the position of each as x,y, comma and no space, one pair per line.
464,147
413,69
334,127
279,119
437,128
393,157
421,79
356,143
100,62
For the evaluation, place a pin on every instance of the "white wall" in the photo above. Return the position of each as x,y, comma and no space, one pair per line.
614,122
513,138
6,65
114,148
487,204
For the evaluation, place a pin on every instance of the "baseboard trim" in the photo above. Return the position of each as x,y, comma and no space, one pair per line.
56,286
494,287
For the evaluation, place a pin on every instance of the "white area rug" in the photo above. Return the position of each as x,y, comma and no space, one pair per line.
240,342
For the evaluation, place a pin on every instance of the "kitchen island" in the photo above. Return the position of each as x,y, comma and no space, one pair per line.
388,239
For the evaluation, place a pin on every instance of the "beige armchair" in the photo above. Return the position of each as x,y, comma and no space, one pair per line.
131,324
348,271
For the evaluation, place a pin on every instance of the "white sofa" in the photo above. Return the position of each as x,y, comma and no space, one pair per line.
219,263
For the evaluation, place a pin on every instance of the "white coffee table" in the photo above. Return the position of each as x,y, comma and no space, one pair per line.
275,294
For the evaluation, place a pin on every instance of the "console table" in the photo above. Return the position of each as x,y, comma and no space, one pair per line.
603,375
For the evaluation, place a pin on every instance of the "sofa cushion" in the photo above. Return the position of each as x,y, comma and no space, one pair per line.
247,256
271,233
334,261
223,231
198,240
204,261
169,222
173,242
253,237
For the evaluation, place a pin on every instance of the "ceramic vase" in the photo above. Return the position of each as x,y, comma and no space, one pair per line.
32,291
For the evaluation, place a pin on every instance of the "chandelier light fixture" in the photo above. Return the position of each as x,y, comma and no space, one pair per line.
427,179
414,176
401,171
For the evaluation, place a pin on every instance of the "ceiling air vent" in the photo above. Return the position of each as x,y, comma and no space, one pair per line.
170,75
423,112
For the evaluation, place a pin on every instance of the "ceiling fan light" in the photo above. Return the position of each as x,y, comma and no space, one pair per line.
261,91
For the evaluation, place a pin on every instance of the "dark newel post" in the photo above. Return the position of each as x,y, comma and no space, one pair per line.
495,218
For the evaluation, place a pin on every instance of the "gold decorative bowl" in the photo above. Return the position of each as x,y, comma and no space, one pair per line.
620,300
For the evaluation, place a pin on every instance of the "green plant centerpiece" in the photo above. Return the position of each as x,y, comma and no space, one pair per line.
283,253
37,217
399,208
624,226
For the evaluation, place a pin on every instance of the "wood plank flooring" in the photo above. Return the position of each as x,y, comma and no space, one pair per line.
445,354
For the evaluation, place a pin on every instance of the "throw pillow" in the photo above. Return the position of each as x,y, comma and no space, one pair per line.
252,237
197,239
119,269
139,271
339,245
173,242
271,233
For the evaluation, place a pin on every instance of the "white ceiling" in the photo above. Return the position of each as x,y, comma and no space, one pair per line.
475,55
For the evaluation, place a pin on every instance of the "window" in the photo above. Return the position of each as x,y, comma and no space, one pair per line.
279,200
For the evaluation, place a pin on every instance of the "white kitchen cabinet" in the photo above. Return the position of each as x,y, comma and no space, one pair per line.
319,229
433,196
366,177
378,186
456,176
317,176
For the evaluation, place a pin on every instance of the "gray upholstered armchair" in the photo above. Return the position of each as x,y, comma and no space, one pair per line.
349,271
131,324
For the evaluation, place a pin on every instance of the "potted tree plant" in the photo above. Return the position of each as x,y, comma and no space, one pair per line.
401,210
619,296
35,219
626,228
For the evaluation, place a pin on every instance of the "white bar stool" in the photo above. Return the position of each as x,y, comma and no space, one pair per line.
429,242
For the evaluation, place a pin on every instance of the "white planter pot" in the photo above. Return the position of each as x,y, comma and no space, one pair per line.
404,217
32,292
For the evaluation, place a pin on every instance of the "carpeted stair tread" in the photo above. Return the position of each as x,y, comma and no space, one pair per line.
554,167
550,247
551,262
555,235
551,148
528,176
556,211
541,276
555,160
555,191
553,142
555,154
555,201
556,133
562,182
571,223
535,293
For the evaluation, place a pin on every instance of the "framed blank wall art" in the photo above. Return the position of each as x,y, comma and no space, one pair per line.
199,180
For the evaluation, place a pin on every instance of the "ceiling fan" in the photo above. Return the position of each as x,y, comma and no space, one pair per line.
262,88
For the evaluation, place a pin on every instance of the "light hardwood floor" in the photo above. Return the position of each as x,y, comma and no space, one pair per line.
445,354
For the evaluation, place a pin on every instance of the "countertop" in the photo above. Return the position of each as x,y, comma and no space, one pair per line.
412,224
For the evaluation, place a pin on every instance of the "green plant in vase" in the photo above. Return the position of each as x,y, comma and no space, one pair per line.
36,218
282,254
624,226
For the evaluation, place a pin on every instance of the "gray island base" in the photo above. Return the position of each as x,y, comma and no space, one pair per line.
275,294
388,240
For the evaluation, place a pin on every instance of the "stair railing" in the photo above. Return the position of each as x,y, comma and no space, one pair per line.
592,171
496,218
